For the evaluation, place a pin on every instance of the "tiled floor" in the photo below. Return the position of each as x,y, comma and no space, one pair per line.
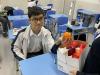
7,61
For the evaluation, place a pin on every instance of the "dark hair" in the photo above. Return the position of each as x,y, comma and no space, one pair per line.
34,11
9,10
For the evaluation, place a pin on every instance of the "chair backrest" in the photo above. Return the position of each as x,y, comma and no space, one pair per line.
18,12
50,12
61,24
62,28
20,23
62,20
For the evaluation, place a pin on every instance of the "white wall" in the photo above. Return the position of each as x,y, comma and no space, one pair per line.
21,3
18,3
90,1
58,5
15,3
2,4
44,2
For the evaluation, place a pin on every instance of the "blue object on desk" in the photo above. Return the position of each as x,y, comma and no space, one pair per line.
50,12
40,65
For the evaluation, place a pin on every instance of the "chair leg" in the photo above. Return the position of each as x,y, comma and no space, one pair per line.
1,28
17,67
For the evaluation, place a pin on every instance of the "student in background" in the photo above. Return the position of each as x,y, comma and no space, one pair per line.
4,25
36,2
9,10
4,19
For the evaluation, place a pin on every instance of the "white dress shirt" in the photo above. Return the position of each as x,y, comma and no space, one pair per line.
35,44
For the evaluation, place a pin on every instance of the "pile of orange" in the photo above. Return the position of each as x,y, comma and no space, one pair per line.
67,37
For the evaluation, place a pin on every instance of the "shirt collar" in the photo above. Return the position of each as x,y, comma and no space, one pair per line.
33,34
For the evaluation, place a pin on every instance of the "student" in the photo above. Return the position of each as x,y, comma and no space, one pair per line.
36,2
9,10
4,20
4,23
34,39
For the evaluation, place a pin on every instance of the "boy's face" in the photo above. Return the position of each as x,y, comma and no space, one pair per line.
37,23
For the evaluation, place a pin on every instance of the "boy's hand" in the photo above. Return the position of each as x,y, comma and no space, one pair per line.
58,41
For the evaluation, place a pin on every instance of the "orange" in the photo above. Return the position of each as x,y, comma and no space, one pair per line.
67,35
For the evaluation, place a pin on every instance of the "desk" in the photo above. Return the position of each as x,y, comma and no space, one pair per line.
13,32
10,34
18,17
80,29
40,65
77,30
56,16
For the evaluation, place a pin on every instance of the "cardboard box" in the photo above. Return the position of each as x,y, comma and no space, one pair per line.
66,63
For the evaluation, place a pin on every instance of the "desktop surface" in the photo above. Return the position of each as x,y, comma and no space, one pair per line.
18,17
40,65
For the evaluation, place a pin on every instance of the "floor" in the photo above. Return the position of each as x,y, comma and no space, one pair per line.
7,61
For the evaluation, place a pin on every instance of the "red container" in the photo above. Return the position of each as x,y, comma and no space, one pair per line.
71,51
